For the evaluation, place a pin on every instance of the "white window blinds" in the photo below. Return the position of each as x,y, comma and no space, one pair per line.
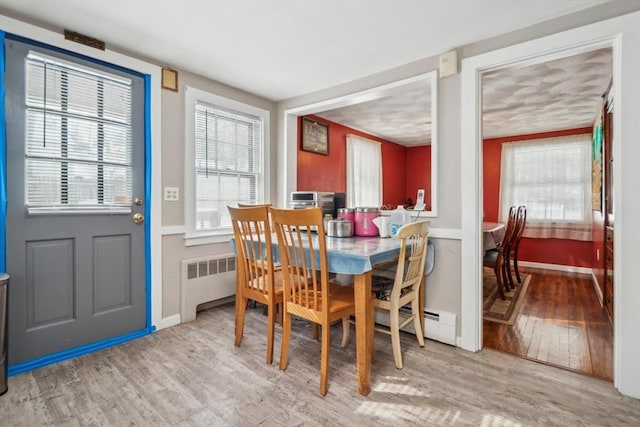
228,147
79,136
364,172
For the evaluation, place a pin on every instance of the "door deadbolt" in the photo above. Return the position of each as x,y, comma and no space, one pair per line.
138,218
138,201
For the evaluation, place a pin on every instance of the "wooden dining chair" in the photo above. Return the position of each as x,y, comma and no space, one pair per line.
521,222
403,291
257,278
308,294
497,259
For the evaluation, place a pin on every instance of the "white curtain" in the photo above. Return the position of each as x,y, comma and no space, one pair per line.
552,178
364,172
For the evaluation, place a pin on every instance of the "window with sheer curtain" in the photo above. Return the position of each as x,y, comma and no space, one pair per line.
364,172
552,178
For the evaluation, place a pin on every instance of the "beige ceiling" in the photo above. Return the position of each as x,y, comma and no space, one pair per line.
402,116
554,95
279,49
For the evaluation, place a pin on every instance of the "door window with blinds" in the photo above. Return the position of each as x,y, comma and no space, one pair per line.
227,162
78,154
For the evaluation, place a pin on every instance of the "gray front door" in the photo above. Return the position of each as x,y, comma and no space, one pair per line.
75,181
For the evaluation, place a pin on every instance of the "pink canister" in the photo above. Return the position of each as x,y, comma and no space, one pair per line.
347,213
364,225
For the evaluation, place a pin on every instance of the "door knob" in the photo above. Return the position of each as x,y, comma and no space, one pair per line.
138,218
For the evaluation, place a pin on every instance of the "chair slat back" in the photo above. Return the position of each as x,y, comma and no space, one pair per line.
303,286
521,222
254,252
413,254
510,231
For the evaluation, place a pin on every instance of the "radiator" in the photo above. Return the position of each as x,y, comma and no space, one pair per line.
438,325
205,279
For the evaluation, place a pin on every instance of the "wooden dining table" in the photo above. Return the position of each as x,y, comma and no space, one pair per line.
358,256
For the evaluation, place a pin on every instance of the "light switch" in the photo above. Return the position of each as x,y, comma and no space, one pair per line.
171,194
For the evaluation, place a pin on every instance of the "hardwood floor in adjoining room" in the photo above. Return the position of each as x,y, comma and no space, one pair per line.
561,323
191,374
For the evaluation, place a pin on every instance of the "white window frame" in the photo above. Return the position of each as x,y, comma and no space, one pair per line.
192,97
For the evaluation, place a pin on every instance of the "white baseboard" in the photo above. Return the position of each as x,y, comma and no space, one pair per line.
557,267
167,322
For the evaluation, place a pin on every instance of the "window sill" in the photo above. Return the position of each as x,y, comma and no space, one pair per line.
195,239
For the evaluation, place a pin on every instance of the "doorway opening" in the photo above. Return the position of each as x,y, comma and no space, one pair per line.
532,116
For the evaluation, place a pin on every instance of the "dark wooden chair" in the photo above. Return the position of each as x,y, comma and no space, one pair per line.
497,259
521,222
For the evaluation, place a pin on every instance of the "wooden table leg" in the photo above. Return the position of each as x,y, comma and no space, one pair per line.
421,301
364,329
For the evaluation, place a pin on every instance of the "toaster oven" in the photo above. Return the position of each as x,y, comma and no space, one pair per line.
313,199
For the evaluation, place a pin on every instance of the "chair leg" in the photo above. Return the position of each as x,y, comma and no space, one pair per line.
315,331
241,308
324,358
280,307
515,266
417,319
271,320
498,271
507,272
394,329
345,331
286,336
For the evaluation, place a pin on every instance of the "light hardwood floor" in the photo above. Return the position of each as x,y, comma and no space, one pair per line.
191,374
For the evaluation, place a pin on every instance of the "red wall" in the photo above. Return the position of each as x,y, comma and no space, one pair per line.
418,174
549,251
404,169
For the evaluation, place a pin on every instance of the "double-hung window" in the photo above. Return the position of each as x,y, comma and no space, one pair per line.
552,178
226,161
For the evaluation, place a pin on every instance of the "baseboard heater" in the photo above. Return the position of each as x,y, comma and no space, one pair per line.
438,325
205,279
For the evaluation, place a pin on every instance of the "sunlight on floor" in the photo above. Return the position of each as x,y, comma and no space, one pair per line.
406,402
394,399
492,420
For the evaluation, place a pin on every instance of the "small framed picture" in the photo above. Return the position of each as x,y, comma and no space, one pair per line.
315,136
170,79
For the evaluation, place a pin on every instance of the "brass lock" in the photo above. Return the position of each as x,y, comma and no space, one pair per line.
138,218
137,201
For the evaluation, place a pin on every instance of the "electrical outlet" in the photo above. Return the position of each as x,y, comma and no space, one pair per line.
171,194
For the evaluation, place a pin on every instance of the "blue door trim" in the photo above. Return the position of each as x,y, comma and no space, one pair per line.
3,163
99,345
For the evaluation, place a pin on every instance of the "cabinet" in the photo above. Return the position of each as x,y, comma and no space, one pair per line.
608,272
